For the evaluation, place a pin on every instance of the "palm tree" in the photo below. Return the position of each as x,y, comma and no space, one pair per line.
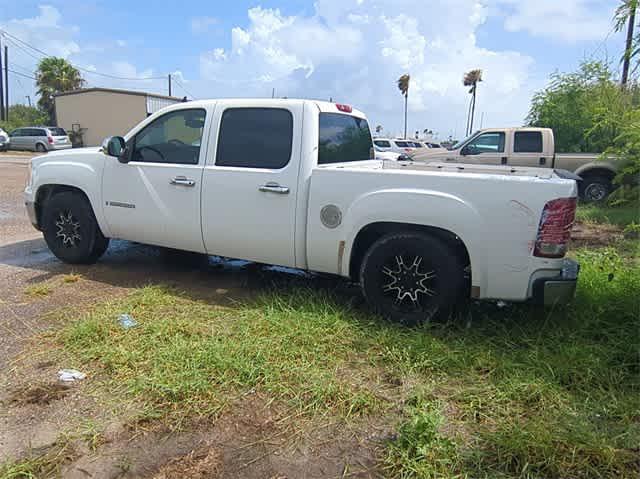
625,16
403,86
471,79
55,75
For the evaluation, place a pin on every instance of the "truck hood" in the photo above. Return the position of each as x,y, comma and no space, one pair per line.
76,155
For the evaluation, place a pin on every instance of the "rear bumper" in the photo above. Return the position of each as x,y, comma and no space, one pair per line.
64,146
558,289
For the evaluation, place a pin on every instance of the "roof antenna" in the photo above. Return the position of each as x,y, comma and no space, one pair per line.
273,92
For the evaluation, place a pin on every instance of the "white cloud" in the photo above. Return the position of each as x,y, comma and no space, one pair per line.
201,25
121,43
353,51
565,20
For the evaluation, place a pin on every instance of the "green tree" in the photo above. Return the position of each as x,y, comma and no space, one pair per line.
403,86
471,79
584,108
21,115
624,19
55,75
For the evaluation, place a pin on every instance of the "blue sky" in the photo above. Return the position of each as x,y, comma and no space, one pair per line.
349,50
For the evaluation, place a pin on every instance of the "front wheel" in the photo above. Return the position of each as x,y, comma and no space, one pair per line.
71,230
411,277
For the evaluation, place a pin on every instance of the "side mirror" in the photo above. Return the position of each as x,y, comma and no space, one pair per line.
464,151
115,146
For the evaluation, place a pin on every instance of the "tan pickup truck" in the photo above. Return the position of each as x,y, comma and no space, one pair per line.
528,147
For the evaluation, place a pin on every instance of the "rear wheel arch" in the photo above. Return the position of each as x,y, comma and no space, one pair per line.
372,232
596,174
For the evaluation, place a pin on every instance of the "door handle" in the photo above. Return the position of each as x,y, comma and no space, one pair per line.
503,160
272,187
182,181
543,160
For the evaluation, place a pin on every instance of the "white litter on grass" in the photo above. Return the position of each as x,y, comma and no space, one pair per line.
127,321
70,375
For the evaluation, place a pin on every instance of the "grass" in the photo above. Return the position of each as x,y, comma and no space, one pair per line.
71,278
40,463
516,392
38,290
513,392
619,215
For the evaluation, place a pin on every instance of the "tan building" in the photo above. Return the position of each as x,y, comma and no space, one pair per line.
100,112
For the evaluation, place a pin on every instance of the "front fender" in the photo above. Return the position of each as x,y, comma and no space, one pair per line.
420,207
84,173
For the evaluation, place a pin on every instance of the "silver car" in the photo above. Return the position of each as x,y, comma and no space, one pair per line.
41,138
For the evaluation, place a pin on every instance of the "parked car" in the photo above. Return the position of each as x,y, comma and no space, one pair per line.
529,147
380,154
4,140
397,145
292,183
40,138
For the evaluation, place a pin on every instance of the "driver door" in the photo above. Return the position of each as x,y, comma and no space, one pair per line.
155,197
485,149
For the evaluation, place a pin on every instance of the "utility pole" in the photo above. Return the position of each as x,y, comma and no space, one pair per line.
629,44
2,116
6,82
169,84
28,97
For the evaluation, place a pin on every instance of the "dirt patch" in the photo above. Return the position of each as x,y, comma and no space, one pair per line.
39,393
595,234
206,463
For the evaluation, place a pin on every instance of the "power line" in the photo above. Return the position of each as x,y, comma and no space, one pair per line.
186,91
87,70
21,74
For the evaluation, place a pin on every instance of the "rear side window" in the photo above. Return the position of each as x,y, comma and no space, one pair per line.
527,142
255,138
382,143
343,138
57,132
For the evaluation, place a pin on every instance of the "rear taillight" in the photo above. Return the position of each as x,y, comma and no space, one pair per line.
50,140
554,231
344,108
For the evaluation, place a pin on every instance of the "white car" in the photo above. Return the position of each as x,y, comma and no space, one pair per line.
4,140
292,183
396,145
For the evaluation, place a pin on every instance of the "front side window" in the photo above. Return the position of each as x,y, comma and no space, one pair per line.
491,142
382,143
343,138
18,132
255,138
173,138
403,144
527,142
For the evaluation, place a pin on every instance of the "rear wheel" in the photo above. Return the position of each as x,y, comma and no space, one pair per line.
40,148
595,188
411,277
71,230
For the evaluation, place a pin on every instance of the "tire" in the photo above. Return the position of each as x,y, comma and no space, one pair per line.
40,148
71,230
595,188
432,283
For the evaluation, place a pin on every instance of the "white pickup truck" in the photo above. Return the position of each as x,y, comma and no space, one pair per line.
528,146
292,183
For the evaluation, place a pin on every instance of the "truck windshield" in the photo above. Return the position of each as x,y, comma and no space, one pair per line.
343,138
462,142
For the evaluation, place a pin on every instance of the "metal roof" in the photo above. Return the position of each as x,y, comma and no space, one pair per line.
117,91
